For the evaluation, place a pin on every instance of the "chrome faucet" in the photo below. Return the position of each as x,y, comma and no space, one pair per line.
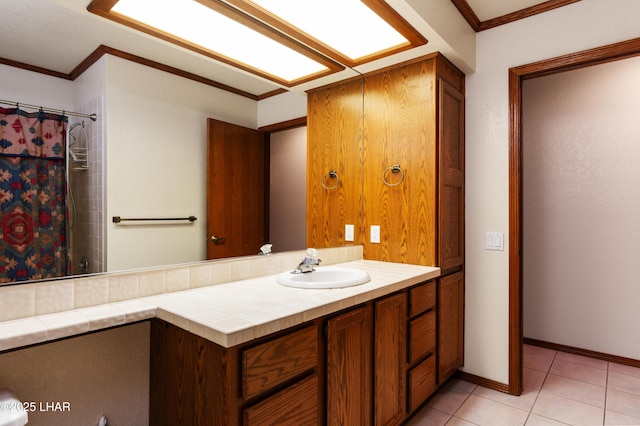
309,261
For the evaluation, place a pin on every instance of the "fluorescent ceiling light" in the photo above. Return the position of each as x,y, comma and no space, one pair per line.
348,26
201,28
351,32
286,41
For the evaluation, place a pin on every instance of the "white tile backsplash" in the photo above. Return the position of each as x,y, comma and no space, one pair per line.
28,300
17,301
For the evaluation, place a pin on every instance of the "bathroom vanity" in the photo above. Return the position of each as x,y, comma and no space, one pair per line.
229,345
369,362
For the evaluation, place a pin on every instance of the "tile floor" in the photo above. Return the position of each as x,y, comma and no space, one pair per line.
559,389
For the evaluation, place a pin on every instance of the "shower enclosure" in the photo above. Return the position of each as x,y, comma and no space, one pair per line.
50,200
77,184
85,194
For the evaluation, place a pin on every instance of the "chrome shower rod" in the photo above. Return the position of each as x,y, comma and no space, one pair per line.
93,117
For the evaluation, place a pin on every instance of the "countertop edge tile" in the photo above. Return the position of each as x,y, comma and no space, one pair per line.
64,324
21,332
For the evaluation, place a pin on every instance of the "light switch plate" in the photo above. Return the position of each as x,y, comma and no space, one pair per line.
494,241
375,233
348,233
488,241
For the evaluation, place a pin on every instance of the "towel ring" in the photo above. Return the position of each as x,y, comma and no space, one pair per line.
394,169
332,175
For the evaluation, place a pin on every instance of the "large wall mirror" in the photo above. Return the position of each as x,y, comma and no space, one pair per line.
147,149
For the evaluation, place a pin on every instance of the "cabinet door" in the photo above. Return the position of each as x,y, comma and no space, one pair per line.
349,344
450,325
390,390
400,129
451,176
334,143
188,380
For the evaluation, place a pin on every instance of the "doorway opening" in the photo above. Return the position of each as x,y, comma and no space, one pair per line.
286,188
517,75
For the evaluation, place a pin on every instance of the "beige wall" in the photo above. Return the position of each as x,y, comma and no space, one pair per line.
105,373
156,161
581,144
578,26
288,190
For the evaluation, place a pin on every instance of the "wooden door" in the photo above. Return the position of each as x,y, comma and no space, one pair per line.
235,190
349,368
390,368
450,325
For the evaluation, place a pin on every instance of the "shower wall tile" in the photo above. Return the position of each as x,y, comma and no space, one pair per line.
87,236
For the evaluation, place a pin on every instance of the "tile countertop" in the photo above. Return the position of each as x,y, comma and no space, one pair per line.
227,314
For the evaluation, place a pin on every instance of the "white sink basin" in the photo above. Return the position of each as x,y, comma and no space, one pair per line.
325,277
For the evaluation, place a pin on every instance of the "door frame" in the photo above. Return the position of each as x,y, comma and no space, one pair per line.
517,75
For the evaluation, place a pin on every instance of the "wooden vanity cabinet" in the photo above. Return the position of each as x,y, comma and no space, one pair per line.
390,360
374,364
399,338
348,368
450,325
271,381
422,373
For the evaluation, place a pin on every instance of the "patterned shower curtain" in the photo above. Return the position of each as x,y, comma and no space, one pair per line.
32,196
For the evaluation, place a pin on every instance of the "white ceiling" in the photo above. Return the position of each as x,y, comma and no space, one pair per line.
59,34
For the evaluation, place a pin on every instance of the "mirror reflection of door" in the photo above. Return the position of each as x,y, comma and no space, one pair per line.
235,190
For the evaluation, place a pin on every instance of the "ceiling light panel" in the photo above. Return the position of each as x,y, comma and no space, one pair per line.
222,33
349,31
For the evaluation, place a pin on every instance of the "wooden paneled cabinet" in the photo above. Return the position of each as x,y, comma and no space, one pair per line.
349,354
275,381
411,116
390,360
374,364
450,325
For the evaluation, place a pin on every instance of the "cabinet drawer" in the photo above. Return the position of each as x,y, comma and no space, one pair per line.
277,361
295,405
422,298
422,336
422,382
